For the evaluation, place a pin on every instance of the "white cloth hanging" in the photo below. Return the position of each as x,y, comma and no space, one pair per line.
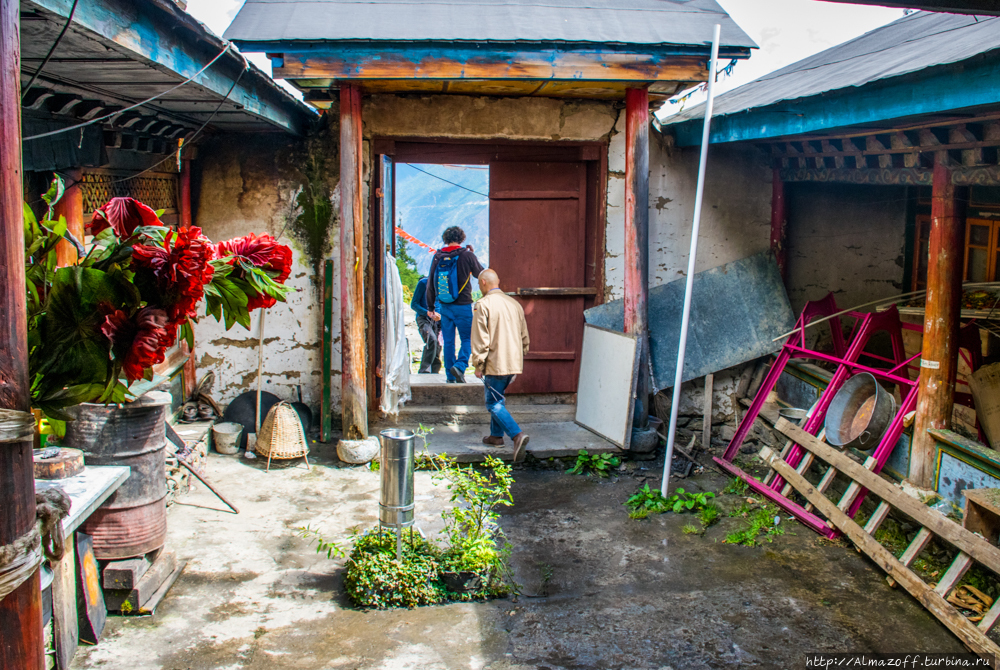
396,359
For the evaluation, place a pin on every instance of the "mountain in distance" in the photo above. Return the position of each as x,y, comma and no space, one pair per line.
430,198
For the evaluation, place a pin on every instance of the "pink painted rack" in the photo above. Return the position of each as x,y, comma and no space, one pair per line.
846,355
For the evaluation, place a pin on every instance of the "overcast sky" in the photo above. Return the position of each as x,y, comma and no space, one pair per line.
785,30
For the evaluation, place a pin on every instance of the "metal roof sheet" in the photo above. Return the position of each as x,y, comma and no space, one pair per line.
674,22
910,44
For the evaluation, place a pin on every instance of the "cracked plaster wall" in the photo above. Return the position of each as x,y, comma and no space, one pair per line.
248,184
863,224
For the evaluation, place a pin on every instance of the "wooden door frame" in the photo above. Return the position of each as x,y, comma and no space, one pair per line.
434,150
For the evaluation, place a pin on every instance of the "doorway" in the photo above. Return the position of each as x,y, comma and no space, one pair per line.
544,232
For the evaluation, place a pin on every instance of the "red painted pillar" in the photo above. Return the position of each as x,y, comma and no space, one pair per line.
637,239
21,644
354,396
939,360
779,222
70,206
185,200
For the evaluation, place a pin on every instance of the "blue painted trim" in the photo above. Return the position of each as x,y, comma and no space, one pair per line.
139,28
970,83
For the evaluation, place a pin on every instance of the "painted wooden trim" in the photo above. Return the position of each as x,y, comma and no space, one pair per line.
930,91
457,62
138,28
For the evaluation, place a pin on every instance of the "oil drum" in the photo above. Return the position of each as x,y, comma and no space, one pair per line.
133,520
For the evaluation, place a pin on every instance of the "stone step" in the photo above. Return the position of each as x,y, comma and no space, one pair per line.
547,440
471,415
472,394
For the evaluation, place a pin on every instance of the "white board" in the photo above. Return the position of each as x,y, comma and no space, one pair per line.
606,391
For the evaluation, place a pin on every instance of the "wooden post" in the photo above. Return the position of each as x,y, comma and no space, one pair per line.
325,412
637,240
184,206
21,641
939,360
779,222
70,205
354,396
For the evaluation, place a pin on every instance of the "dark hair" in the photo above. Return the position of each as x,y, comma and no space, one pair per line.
453,235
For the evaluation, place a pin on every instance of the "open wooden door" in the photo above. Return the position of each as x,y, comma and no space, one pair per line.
538,215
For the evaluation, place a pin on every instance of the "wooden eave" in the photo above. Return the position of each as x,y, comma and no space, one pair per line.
545,70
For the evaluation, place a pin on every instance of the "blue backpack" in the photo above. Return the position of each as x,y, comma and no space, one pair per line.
446,278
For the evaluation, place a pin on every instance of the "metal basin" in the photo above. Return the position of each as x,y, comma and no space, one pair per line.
859,414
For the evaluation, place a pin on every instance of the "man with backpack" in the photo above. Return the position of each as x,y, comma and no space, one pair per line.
449,285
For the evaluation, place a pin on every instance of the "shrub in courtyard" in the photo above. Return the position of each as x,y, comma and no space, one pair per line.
374,577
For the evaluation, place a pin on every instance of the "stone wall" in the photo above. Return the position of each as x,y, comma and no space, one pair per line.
285,187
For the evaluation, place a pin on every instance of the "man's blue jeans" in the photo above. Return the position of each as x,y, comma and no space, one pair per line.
496,402
456,317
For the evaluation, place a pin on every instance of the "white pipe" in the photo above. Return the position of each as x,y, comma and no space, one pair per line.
689,281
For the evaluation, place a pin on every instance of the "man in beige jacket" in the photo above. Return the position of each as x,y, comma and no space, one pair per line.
499,343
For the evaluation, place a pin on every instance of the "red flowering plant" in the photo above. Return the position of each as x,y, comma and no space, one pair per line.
96,327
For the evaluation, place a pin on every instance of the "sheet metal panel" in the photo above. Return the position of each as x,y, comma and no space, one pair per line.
737,309
605,392
682,22
910,44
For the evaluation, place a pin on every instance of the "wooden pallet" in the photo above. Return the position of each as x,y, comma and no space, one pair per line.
972,548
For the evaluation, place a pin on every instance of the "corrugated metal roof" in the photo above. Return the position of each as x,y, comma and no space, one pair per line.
673,22
910,44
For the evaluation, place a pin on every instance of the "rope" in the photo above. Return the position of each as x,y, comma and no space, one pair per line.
21,558
16,426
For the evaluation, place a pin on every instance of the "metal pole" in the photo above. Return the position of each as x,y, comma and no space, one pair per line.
689,282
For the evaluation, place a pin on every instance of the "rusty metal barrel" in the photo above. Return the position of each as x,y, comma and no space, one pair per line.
133,521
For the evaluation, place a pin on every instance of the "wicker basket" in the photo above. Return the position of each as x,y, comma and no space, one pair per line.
281,435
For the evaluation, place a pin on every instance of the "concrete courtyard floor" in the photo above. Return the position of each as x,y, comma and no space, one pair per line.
622,593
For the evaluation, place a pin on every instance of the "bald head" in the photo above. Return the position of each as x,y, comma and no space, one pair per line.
488,280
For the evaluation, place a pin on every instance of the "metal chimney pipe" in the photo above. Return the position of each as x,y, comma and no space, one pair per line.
395,507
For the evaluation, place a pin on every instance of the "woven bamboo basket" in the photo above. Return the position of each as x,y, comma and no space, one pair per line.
281,436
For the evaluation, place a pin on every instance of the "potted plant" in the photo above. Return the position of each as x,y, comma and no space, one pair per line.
97,328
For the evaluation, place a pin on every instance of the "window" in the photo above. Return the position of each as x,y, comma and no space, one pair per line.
981,250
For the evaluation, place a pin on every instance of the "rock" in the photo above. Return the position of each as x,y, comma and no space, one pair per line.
725,432
696,424
358,451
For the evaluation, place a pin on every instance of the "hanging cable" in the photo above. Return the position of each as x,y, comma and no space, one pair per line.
138,104
196,133
45,60
431,174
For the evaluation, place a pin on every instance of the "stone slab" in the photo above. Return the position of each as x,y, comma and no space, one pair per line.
548,440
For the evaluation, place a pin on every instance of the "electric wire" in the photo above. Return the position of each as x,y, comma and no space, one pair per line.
131,107
485,195
45,61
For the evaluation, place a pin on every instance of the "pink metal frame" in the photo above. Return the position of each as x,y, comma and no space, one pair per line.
846,357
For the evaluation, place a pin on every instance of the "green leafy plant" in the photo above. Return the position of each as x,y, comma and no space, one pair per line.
476,543
99,325
690,529
331,549
598,464
374,578
645,502
763,524
708,515
737,487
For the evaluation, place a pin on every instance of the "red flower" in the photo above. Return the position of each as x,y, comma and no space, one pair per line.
139,342
124,215
262,252
174,275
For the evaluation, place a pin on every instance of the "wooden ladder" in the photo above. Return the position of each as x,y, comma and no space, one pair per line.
971,547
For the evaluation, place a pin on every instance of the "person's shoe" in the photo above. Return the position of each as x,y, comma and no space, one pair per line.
520,442
493,441
457,374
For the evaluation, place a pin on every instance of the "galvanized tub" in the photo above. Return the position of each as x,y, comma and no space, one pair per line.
395,506
133,521
859,414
